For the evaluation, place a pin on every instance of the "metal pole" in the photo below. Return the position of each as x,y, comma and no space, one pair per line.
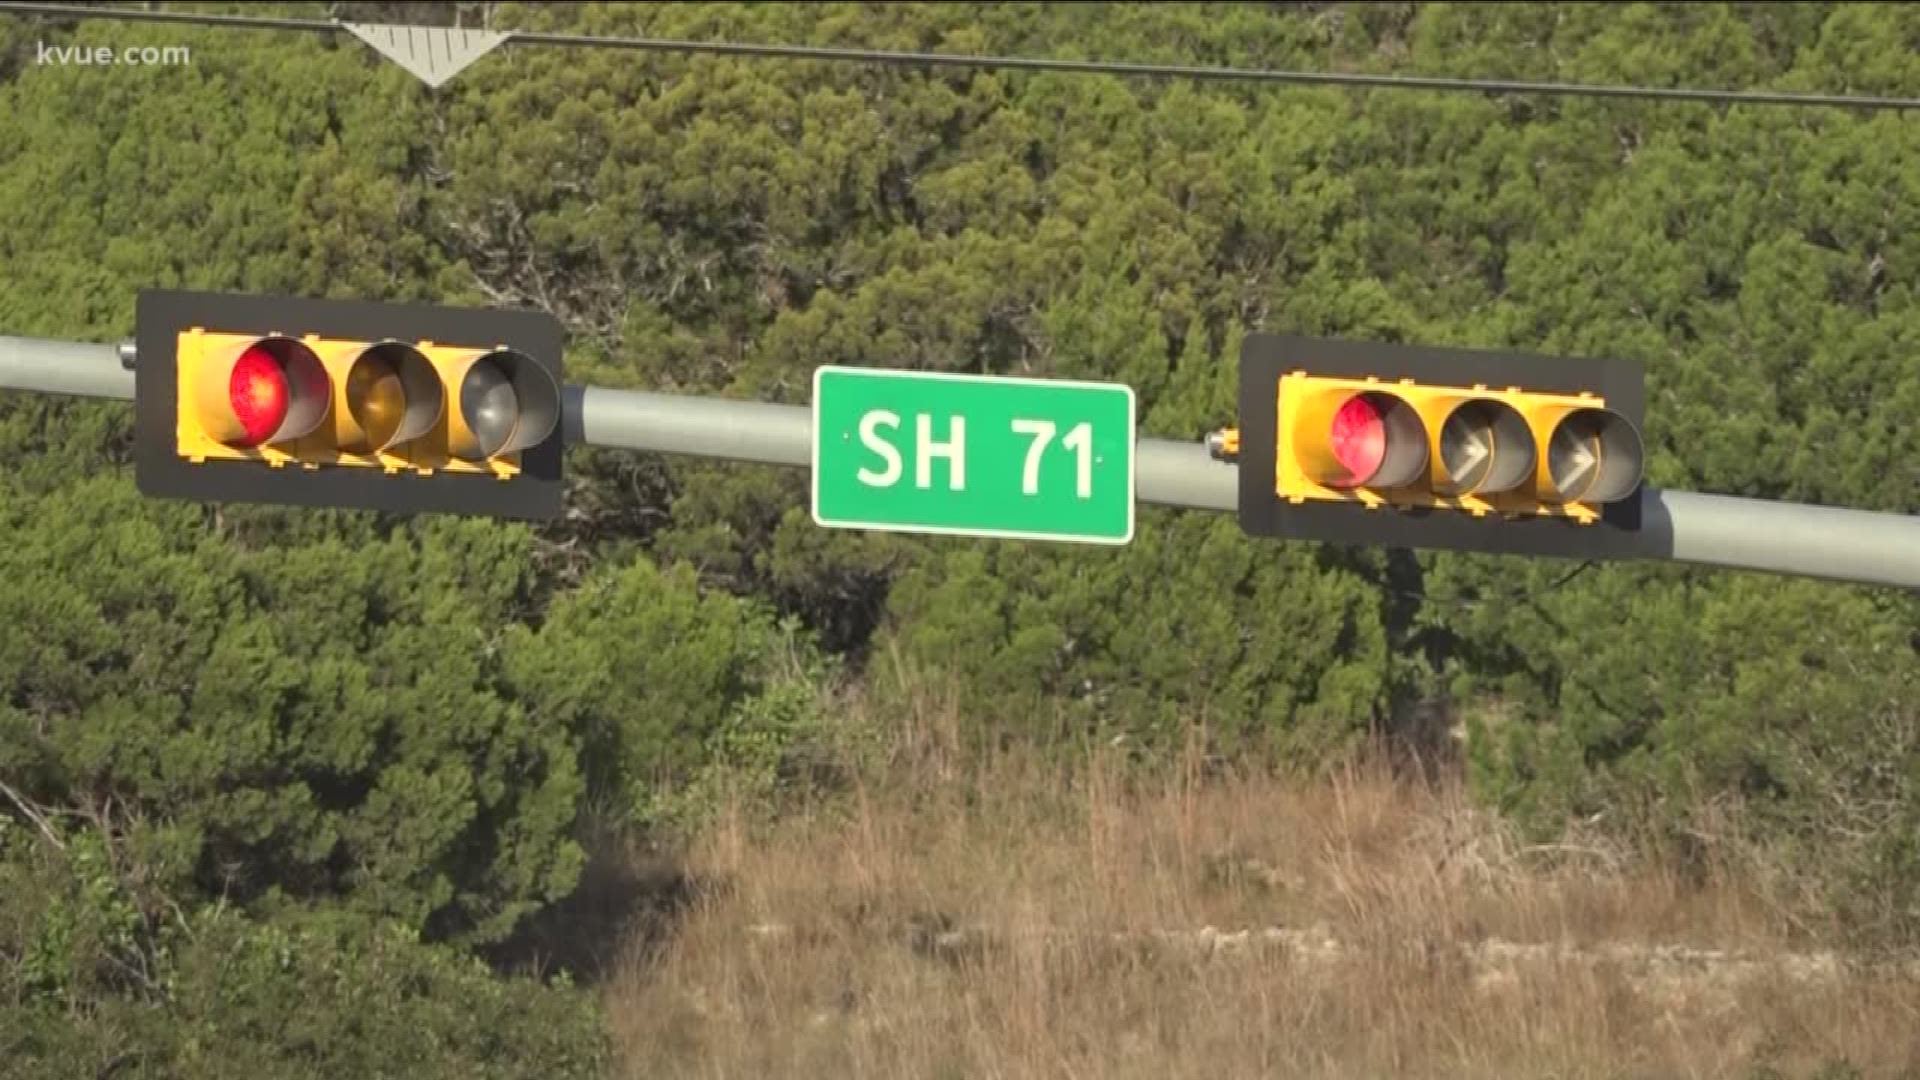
1709,530
64,367
1166,473
1787,538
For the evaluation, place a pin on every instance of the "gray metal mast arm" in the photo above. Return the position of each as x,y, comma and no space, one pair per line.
64,367
1710,530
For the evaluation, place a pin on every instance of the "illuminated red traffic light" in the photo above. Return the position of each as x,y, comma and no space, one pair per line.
258,393
250,392
1359,439
1371,440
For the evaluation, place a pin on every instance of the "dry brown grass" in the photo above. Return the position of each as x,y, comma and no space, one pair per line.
1007,921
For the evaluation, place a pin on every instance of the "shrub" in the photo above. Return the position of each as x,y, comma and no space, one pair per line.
90,987
677,692
247,713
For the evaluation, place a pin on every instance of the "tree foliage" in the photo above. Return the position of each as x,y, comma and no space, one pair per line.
87,985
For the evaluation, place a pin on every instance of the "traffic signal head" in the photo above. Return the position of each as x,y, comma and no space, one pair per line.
329,403
1402,446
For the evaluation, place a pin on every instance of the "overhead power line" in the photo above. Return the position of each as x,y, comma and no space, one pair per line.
1016,63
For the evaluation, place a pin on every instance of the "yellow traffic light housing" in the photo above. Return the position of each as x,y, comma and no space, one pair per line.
329,403
1470,449
1406,446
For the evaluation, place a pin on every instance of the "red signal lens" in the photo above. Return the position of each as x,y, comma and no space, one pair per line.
259,394
1359,440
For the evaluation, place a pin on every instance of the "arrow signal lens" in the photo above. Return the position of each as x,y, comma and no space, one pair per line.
1593,455
1485,448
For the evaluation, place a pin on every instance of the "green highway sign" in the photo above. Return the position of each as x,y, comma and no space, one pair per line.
973,455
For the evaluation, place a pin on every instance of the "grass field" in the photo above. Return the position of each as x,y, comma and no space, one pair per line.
1011,918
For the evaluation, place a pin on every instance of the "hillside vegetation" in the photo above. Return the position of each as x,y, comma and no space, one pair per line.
295,793
1021,918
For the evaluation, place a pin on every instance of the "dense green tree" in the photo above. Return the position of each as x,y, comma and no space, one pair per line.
648,671
260,718
89,986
